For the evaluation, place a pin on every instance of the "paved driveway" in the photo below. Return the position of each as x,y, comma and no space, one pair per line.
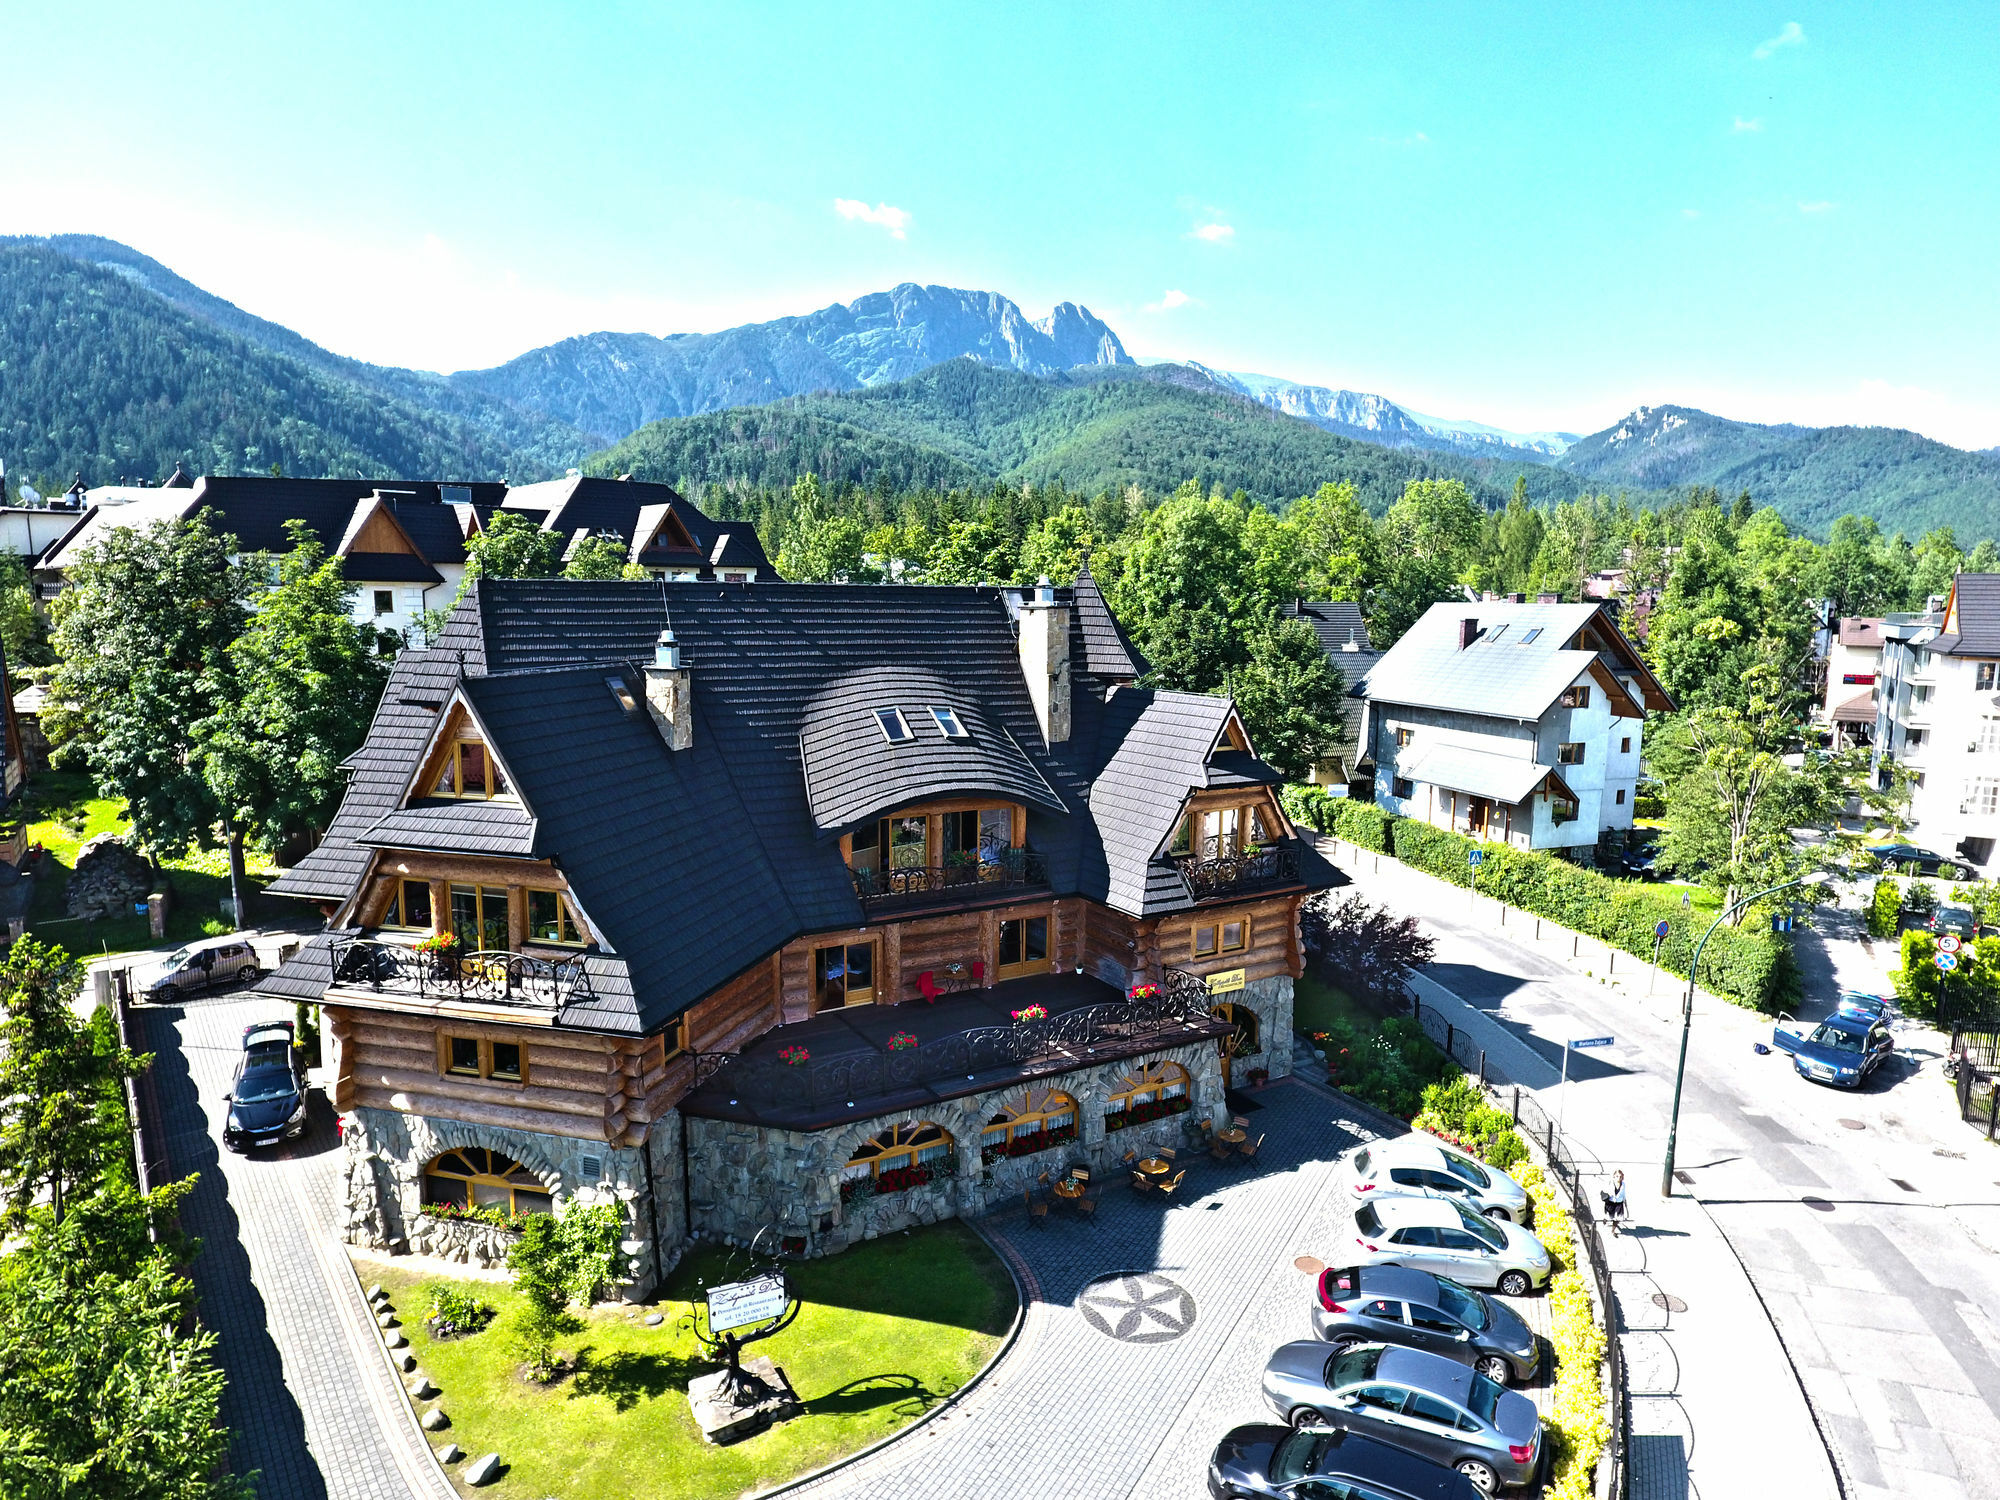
310,1404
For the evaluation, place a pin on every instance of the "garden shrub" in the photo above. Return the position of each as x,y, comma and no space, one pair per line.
589,1236
1361,823
540,1276
1363,949
1307,804
1920,899
454,1309
1389,1068
1885,908
1456,1111
1578,1431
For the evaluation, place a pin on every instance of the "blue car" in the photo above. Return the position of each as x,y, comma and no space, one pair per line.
1841,1050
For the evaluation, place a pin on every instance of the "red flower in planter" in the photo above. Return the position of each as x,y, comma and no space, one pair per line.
902,1041
794,1057
1032,1013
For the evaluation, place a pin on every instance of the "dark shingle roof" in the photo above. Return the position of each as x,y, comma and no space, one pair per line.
1976,613
1107,651
388,567
1337,623
503,829
585,503
854,771
255,509
695,864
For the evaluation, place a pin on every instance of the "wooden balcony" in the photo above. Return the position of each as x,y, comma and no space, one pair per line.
1239,874
944,885
486,980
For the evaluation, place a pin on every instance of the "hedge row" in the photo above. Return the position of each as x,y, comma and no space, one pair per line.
1749,965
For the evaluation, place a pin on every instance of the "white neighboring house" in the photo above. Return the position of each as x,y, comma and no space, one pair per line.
1853,662
1938,716
1513,722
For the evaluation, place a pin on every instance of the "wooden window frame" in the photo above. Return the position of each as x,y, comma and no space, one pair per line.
486,1072
1154,1081
874,990
566,919
497,783
1404,735
902,1148
1625,745
1577,696
1025,966
1570,753
480,891
489,1177
1242,943
1035,1116
399,906
1214,932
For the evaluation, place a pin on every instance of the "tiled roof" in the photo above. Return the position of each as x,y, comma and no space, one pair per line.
1107,652
631,509
1860,709
854,771
503,829
1504,778
388,567
1976,613
696,864
1861,632
1336,622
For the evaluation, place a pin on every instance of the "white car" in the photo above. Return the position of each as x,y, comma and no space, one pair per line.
1444,1237
1421,1164
201,966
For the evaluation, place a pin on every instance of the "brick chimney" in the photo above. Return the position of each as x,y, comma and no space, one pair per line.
1468,632
670,693
1044,646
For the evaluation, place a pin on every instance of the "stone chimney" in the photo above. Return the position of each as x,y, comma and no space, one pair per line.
669,693
1468,632
1044,646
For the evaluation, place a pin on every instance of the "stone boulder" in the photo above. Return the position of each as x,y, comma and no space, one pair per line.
483,1468
109,879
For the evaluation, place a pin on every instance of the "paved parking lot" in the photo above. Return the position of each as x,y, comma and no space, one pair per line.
310,1405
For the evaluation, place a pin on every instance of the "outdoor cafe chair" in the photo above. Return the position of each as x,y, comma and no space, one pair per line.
927,986
1086,1206
1219,1151
1143,1183
1249,1148
1168,1188
1038,1213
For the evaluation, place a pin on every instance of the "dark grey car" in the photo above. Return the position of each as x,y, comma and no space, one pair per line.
1396,1305
1433,1406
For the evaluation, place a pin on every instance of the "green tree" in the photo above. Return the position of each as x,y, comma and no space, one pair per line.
602,556
541,1275
1291,697
1921,986
55,1079
1518,542
976,551
142,630
1336,543
1182,590
1985,558
1056,546
294,697
512,545
820,547
1429,541
22,633
1937,560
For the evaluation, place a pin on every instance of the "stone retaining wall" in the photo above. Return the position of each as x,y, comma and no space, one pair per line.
745,1177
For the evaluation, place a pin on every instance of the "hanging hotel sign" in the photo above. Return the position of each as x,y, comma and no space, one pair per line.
738,1304
1225,982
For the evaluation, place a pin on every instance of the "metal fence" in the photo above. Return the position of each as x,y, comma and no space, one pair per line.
1453,1041
1534,1121
1976,1064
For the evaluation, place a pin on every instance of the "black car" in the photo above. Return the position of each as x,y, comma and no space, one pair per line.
1957,920
1319,1464
1911,860
1398,1305
267,1100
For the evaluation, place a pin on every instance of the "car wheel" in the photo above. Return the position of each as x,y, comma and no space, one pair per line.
1481,1473
250,976
1494,1368
1515,1284
1304,1416
1499,1215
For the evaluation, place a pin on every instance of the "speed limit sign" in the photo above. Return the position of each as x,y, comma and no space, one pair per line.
1948,943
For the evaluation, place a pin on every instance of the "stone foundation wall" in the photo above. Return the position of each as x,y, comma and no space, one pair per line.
744,1177
1271,999
386,1153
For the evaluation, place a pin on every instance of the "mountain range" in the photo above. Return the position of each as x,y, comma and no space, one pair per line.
111,364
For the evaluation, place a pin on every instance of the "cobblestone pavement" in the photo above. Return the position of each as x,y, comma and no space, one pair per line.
310,1404
1070,1411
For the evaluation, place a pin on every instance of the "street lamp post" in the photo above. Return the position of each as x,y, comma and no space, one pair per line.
1817,877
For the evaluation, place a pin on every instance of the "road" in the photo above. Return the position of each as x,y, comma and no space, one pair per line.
1864,1220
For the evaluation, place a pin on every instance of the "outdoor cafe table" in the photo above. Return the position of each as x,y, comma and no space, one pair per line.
1232,1137
1068,1190
1153,1166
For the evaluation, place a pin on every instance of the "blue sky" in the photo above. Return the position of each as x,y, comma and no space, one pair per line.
1536,217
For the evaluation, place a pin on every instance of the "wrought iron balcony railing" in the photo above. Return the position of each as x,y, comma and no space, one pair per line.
1234,873
484,978
977,875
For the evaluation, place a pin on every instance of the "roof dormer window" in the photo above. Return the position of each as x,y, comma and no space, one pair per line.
895,728
468,771
948,725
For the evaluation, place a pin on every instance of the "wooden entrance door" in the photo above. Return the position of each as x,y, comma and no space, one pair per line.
1476,820
1241,1041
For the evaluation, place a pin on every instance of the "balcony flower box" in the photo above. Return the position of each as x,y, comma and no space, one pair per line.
1032,1013
794,1057
1028,1145
902,1041
1145,1114
492,1217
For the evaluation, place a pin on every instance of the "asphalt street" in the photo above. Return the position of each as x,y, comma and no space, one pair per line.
1863,1219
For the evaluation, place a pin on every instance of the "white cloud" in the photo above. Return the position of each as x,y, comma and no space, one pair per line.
1817,206
1743,125
891,218
1794,35
1174,298
1215,234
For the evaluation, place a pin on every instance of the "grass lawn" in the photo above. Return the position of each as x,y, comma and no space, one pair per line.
889,1329
64,812
1670,893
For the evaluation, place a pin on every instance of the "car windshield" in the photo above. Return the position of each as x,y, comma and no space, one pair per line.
1297,1456
1352,1366
1367,1220
1483,1228
1462,1305
1839,1038
260,1084
1465,1170
178,958
1484,1399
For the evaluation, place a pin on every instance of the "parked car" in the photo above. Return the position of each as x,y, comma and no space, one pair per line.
1260,1461
202,966
267,1098
1863,1007
1433,1406
1444,1237
1641,863
1418,1163
1396,1305
1911,860
1841,1050
1955,919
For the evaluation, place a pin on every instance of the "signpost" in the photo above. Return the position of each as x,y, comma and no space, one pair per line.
1660,931
1581,1044
738,1304
1475,858
735,1401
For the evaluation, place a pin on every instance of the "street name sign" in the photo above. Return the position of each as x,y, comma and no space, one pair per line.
1594,1041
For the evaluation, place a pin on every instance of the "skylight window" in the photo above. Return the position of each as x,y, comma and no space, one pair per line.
948,725
455,494
623,694
1493,635
895,728
1529,638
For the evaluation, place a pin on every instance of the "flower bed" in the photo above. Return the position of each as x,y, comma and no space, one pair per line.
899,1180
1028,1145
1145,1114
491,1216
1578,1431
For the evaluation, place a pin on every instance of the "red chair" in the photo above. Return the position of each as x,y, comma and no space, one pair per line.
978,972
927,987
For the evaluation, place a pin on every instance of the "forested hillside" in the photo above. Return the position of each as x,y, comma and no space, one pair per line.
1089,431
104,377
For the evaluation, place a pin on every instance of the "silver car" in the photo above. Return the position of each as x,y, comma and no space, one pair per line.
1418,1163
1444,1237
1425,1403
201,966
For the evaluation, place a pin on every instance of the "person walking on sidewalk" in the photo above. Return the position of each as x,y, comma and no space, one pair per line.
1614,1201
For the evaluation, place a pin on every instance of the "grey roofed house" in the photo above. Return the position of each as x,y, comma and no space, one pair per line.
662,530
738,834
1343,635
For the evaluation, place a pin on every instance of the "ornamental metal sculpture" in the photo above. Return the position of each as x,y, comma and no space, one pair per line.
762,1302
